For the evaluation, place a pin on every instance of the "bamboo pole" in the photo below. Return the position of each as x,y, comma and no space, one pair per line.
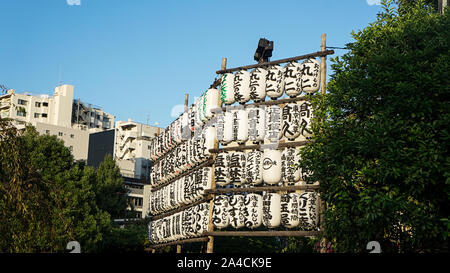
315,54
210,244
323,79
323,63
258,146
259,189
180,242
186,107
269,233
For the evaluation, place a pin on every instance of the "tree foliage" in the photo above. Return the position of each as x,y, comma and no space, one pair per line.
381,142
47,199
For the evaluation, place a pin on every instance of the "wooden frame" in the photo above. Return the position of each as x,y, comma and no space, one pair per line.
209,195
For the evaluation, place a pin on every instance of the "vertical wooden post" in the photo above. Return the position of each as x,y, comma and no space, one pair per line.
178,248
323,80
186,102
323,64
210,244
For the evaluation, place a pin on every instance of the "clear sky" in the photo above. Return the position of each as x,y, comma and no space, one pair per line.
137,58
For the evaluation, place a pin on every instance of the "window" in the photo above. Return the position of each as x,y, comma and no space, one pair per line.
45,104
44,115
47,132
60,134
37,115
37,104
21,113
22,102
71,136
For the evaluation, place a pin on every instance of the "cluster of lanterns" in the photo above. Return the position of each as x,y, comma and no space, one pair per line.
185,190
190,223
183,157
293,79
270,210
186,143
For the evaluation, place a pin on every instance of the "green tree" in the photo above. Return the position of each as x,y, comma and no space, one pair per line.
47,199
110,190
381,142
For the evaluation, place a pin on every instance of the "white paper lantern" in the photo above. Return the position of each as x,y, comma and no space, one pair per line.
211,102
206,180
235,212
221,170
209,138
224,127
273,121
272,166
227,89
258,84
291,121
309,210
275,82
237,168
242,126
306,115
242,86
289,158
310,82
289,210
253,210
220,213
256,124
271,210
254,167
292,79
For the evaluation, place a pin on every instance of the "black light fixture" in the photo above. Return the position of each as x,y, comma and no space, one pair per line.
264,50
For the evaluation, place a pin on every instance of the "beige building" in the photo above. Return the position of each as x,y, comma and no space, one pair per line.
55,115
132,155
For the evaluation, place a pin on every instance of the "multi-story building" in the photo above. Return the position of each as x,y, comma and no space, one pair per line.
54,115
132,155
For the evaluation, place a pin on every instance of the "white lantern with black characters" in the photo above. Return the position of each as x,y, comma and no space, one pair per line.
242,86
258,84
271,210
310,82
227,89
272,166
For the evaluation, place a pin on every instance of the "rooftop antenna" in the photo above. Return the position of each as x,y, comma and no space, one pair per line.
148,118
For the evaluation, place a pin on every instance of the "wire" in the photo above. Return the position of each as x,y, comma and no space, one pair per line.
335,47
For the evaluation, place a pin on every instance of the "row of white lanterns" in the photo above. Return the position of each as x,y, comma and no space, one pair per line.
293,79
271,210
183,191
190,223
255,167
265,123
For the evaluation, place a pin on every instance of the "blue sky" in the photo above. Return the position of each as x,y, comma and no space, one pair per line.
137,58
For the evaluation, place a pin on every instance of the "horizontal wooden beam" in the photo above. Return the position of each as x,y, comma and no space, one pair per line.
259,189
206,198
292,59
179,242
268,102
258,146
280,233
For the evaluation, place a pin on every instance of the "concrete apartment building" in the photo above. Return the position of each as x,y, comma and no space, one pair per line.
132,155
90,134
54,115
